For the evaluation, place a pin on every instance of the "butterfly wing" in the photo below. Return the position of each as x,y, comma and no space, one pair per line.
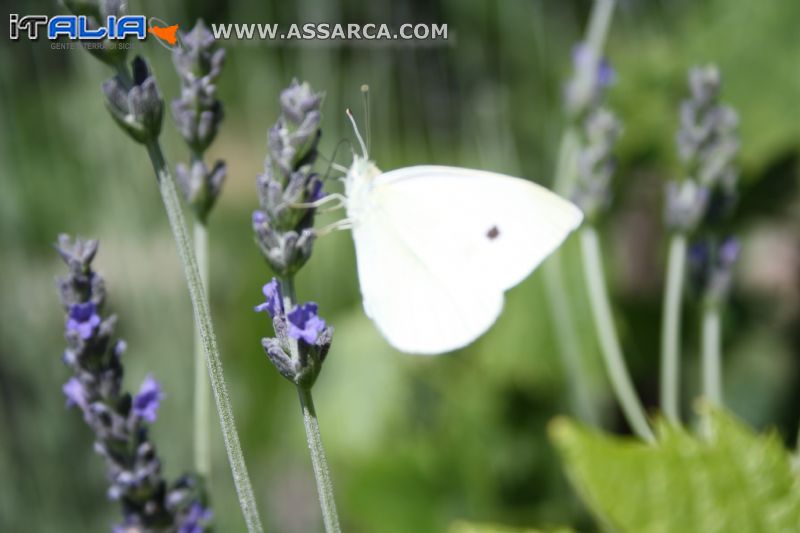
418,306
437,246
501,226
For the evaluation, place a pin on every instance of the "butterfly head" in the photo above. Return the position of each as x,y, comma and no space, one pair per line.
362,171
360,177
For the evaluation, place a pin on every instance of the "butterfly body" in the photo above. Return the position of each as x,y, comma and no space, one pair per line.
358,184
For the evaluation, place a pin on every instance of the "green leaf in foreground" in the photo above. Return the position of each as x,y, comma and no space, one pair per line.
730,480
471,527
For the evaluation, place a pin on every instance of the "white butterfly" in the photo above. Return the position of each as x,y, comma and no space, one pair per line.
436,247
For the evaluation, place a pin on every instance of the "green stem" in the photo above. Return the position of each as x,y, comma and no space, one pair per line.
712,357
566,170
288,291
567,340
558,300
318,461
607,333
557,297
671,328
599,22
202,398
202,317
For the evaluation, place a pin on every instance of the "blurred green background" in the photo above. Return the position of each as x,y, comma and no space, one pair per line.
414,444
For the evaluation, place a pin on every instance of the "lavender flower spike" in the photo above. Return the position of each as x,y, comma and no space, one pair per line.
133,468
707,144
283,230
596,163
198,114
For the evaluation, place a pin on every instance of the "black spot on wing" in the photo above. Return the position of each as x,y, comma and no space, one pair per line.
493,233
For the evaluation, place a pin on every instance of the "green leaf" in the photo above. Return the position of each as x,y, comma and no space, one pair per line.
749,41
730,480
470,527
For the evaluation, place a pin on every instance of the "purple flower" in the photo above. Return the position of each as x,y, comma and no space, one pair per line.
259,217
119,348
83,319
130,524
147,400
583,57
274,303
75,393
711,266
698,253
304,323
591,75
315,190
605,73
195,520
729,251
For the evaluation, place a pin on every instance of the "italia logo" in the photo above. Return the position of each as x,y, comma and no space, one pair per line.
166,35
79,28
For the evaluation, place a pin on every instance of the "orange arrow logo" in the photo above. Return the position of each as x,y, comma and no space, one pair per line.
167,33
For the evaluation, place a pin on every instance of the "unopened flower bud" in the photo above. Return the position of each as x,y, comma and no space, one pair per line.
200,185
198,113
139,108
711,266
298,100
596,163
591,75
707,139
199,55
286,251
686,205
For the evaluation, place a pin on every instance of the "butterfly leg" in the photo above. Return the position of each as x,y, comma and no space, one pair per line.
343,224
340,200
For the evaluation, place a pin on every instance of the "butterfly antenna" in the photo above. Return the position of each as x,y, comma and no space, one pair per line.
365,93
358,135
